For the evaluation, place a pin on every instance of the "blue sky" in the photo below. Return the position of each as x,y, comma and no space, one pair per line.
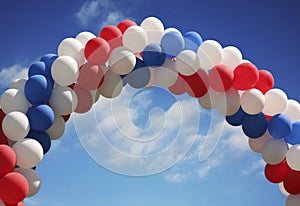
267,33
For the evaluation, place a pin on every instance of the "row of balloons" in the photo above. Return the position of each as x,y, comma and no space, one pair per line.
34,110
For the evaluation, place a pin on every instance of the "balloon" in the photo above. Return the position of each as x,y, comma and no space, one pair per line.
246,76
280,126
196,84
231,57
172,43
276,102
153,55
90,76
3,138
140,76
122,60
166,75
57,129
282,189
210,99
13,188
84,99
112,35
97,51
15,126
84,37
33,179
13,100
179,86
111,86
229,102
18,84
237,118
276,173
252,101
265,81
171,29
7,160
42,137
257,144
66,117
38,67
124,25
48,59
63,100
29,152
294,137
187,63
135,38
152,80
293,200
38,90
154,29
292,157
254,126
192,41
40,117
274,151
291,182
73,48
292,110
220,78
210,54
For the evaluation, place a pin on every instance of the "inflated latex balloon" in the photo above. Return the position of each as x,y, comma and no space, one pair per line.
172,43
140,76
291,182
15,126
154,29
122,60
252,101
112,35
90,76
187,63
73,48
7,159
229,102
63,100
231,57
97,51
84,99
257,144
166,75
84,37
192,41
33,179
246,76
57,129
153,55
210,99
293,200
292,110
196,84
276,173
65,70
151,80
135,38
41,117
95,95
274,151
125,24
48,59
282,189
294,137
42,137
209,54
220,78
237,118
38,67
14,100
280,126
18,84
276,102
179,86
111,86
292,157
265,81
29,152
254,126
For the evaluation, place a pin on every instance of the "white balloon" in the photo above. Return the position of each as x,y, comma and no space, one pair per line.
135,38
111,86
252,101
292,110
282,189
14,100
210,99
152,80
73,48
276,102
187,62
29,152
15,126
2,203
32,178
84,37
18,84
95,94
65,70
57,129
274,151
292,157
209,54
166,75
229,102
256,144
122,60
293,200
232,57
154,29
63,100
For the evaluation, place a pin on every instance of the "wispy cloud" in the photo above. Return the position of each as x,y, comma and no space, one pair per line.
9,74
175,177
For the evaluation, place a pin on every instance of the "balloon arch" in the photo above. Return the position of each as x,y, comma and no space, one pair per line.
34,111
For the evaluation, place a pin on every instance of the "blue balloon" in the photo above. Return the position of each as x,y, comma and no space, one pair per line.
41,117
237,118
280,126
254,126
140,64
38,67
192,41
42,137
153,55
48,59
294,137
172,43
38,89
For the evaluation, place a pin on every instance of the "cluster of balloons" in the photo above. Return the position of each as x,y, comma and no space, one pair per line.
34,111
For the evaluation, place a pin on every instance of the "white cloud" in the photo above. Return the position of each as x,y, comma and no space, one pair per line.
257,167
9,74
176,177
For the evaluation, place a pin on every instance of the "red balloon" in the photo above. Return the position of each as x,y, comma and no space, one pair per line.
268,117
291,182
97,51
84,99
178,87
276,173
13,188
265,81
112,35
66,117
245,76
18,204
90,76
3,138
8,159
124,25
196,84
220,78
